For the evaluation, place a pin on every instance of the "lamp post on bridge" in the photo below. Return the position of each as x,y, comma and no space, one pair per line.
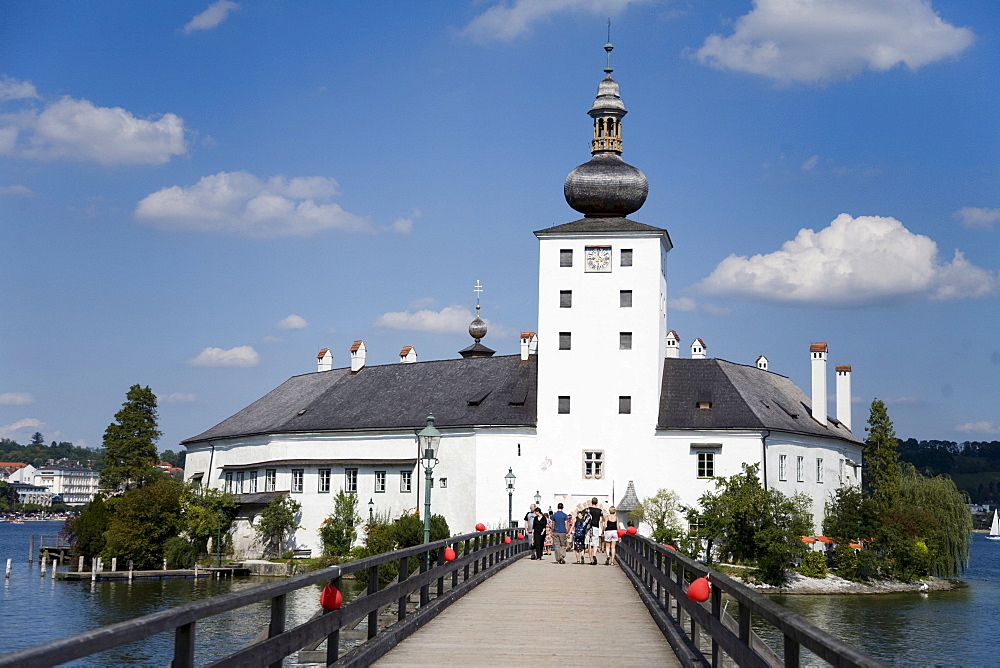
371,512
538,498
510,478
429,438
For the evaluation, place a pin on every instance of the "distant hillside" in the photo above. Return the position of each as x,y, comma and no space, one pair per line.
973,465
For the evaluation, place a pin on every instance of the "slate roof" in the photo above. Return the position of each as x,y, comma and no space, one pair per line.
618,224
497,391
740,396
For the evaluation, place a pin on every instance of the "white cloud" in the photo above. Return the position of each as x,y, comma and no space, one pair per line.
405,225
16,399
981,427
507,20
71,129
15,89
292,322
449,320
854,262
17,189
216,13
825,40
12,431
178,398
240,203
683,304
810,163
974,217
238,356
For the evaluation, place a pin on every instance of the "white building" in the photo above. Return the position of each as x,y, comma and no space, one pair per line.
75,484
598,398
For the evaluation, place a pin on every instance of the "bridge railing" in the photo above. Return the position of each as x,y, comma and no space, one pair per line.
439,583
661,575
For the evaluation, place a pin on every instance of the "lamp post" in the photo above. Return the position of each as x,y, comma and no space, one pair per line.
510,478
429,438
371,512
538,498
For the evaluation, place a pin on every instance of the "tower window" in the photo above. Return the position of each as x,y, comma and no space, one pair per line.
565,299
625,341
566,257
624,405
625,298
563,405
565,338
626,257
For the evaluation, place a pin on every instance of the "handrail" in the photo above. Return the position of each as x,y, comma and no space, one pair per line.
483,554
661,574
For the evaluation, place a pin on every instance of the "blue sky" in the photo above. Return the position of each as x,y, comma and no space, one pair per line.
199,197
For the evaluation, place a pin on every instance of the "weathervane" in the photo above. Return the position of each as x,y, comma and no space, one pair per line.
477,288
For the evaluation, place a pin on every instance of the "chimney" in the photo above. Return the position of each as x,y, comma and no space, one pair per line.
844,394
817,353
762,363
407,355
358,351
529,344
698,349
324,360
673,345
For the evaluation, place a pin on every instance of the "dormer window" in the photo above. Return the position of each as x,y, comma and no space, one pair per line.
704,405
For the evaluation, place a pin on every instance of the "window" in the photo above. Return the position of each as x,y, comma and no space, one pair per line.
351,481
229,481
626,257
565,299
819,469
405,481
324,481
270,480
444,482
624,405
297,477
782,467
706,464
565,340
566,257
379,482
625,298
564,405
593,463
240,477
799,465
624,340
253,481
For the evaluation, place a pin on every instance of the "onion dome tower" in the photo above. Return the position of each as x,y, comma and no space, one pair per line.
477,330
606,186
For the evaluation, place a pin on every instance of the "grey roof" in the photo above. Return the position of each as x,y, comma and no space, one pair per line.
460,392
740,396
615,224
628,502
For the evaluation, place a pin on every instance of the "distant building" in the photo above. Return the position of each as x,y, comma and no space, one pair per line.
27,493
599,400
75,484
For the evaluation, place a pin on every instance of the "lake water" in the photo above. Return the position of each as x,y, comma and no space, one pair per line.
954,628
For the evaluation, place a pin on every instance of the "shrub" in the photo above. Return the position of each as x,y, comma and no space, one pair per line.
845,562
813,565
180,552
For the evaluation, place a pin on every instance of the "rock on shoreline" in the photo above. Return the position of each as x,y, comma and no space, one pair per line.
831,584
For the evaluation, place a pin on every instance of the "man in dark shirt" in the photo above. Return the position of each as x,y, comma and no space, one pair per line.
594,538
558,522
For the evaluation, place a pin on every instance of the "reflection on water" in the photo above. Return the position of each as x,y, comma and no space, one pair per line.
937,628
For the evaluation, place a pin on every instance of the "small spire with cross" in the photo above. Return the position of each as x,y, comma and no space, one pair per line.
478,289
609,47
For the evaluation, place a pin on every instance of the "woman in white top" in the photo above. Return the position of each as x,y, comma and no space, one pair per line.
611,538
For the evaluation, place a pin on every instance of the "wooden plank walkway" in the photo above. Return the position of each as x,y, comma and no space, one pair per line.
541,613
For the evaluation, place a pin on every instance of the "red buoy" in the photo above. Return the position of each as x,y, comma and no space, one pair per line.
449,553
670,547
331,598
621,533
698,590
631,531
480,527
506,540
520,536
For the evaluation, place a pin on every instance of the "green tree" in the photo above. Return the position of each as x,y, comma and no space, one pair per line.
206,513
142,520
850,515
85,532
8,498
881,474
37,438
277,520
660,511
130,442
338,531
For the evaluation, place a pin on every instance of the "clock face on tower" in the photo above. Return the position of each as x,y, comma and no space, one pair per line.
598,259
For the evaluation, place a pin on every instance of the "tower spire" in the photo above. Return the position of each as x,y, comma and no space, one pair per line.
609,47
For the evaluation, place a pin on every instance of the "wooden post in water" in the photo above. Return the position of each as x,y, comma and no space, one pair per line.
164,563
129,570
31,548
54,564
93,569
114,564
79,569
41,569
7,572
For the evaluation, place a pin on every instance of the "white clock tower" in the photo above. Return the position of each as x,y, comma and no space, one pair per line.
602,325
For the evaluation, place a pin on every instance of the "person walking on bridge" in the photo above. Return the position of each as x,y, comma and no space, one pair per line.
538,528
581,534
558,523
594,537
529,520
611,536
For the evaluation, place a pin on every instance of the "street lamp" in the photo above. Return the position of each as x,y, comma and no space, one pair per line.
371,512
429,438
510,478
538,498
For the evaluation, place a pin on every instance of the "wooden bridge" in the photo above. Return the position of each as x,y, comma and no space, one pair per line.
493,606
